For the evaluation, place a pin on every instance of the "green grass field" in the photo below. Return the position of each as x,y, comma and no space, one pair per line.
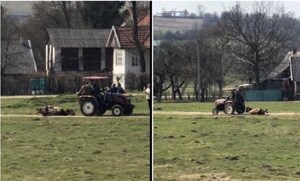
28,105
73,148
226,148
279,107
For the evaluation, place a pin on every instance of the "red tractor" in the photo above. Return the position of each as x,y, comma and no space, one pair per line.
97,102
233,103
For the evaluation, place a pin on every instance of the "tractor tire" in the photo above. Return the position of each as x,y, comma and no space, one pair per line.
228,108
215,111
117,110
88,107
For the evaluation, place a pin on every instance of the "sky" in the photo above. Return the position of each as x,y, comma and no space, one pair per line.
24,7
18,7
214,6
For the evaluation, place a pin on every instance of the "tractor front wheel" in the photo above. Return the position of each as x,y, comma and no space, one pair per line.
117,110
215,111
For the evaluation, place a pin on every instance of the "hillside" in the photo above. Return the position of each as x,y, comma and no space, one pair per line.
174,24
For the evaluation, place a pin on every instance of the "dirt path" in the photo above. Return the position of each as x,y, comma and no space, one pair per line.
79,116
181,113
27,96
171,113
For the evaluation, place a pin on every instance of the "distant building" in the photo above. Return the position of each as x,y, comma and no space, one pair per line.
93,51
18,66
174,24
286,76
126,55
78,50
175,13
22,61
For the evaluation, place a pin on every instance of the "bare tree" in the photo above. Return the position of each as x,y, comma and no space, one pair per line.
67,14
48,14
260,35
137,6
54,13
9,33
162,59
169,72
201,10
100,14
67,11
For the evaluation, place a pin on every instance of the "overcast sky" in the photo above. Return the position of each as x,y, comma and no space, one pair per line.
215,6
24,7
18,7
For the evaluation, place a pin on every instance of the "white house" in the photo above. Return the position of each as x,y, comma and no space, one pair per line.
94,51
126,58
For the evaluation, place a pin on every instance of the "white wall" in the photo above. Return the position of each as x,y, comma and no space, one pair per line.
129,68
47,58
136,69
119,70
53,58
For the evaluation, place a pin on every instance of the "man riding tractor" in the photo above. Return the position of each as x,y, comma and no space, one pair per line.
233,103
94,101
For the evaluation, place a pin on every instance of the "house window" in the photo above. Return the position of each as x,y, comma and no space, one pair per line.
119,58
134,61
91,59
69,58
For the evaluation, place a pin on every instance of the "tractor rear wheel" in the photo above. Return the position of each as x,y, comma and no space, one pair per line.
229,109
88,107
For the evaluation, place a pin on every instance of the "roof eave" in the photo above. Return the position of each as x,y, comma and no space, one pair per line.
113,31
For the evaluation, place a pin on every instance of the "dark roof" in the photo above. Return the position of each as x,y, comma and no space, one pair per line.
78,37
291,62
281,67
125,36
295,68
21,58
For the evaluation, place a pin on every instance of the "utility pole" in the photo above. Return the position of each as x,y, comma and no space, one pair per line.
198,80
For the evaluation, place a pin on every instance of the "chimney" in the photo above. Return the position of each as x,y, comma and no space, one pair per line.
294,51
